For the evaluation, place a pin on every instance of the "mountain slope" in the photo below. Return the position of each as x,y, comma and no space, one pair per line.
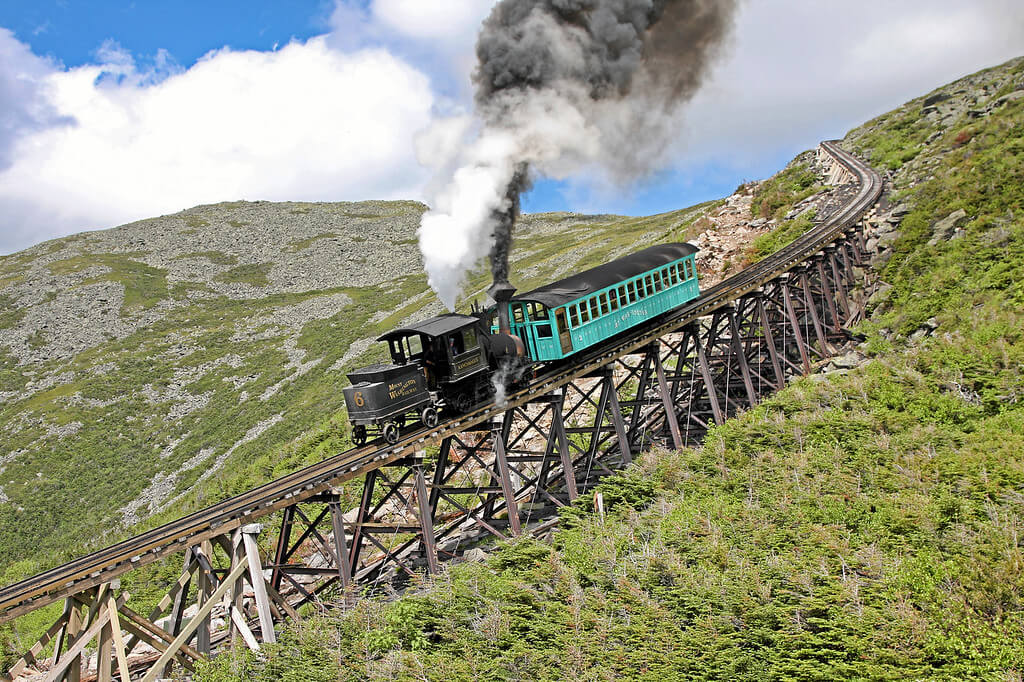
863,524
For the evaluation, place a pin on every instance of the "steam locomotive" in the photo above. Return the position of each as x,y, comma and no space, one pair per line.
447,364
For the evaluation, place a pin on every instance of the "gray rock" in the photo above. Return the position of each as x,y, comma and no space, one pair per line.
945,228
847,360
881,260
1011,97
932,100
919,334
932,323
887,239
880,297
760,222
899,211
475,556
997,237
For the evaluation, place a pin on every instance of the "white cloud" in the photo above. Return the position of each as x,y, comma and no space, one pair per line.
303,123
799,71
24,106
437,36
449,23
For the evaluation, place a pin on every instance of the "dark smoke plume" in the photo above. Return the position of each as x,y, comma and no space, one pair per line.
563,85
505,222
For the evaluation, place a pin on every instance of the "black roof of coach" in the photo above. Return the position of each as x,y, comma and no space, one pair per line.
434,326
603,276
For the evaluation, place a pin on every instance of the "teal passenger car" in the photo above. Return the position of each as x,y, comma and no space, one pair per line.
565,317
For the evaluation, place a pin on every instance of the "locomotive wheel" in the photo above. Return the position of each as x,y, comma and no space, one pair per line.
462,403
359,435
391,432
429,416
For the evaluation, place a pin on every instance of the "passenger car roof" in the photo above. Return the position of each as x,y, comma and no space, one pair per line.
603,276
434,326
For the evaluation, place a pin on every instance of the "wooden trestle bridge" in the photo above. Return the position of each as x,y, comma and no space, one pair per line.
501,470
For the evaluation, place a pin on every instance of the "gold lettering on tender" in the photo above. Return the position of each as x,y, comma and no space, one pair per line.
403,389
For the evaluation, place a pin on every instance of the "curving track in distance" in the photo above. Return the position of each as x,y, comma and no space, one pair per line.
106,564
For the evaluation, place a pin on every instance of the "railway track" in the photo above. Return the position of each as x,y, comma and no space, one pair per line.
109,563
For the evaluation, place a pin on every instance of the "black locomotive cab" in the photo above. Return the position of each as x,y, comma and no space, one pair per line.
451,350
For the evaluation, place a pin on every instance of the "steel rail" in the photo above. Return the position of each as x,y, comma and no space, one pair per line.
108,563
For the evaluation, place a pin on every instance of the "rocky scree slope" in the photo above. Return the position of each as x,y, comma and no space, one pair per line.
861,524
154,368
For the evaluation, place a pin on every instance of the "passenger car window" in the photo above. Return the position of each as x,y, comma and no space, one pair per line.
594,313
613,300
574,317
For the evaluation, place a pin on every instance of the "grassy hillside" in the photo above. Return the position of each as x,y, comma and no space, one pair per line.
864,525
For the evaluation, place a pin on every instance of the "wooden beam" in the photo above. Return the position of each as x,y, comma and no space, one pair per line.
283,604
617,422
204,611
119,649
30,656
259,585
709,383
505,479
795,324
666,399
426,522
738,350
71,660
341,558
154,636
558,426
819,330
769,339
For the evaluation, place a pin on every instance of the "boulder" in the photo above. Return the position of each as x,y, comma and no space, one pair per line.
847,360
880,260
887,239
932,100
760,222
880,297
945,228
475,556
1011,97
899,211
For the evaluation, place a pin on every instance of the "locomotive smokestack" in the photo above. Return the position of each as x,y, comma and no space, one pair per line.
502,292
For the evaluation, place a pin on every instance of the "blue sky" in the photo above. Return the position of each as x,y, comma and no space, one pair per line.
72,30
124,110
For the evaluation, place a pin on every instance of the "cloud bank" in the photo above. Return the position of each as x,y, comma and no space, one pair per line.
337,117
100,145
